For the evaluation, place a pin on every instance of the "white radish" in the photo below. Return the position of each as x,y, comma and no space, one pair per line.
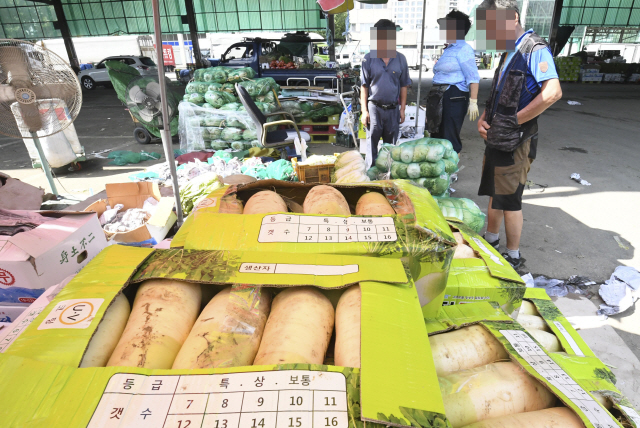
265,202
528,308
163,313
373,203
464,252
491,391
466,348
459,238
347,350
107,334
532,322
325,200
226,334
298,329
555,417
549,341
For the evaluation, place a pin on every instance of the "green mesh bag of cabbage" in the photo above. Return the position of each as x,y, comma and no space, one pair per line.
463,209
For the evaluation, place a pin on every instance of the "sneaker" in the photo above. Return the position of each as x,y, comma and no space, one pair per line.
515,263
495,244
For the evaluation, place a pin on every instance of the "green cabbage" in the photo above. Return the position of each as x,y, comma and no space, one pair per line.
207,105
213,132
420,151
399,170
196,87
240,74
450,166
232,107
373,173
413,170
213,120
437,186
406,153
435,152
215,98
196,98
197,189
269,97
432,169
395,153
231,134
215,87
249,134
229,87
219,145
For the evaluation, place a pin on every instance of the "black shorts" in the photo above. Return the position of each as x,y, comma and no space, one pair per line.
504,175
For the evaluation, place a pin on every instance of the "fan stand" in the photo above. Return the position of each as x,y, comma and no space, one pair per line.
44,163
165,132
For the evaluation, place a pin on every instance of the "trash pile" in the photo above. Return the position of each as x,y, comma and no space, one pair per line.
620,291
114,220
559,288
427,162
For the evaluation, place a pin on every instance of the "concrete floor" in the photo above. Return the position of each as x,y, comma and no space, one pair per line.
569,229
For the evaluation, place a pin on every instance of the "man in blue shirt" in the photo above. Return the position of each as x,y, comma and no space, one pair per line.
385,78
525,84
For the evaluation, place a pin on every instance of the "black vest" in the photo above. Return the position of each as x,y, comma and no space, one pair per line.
505,133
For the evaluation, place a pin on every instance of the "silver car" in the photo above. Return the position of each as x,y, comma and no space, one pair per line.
98,75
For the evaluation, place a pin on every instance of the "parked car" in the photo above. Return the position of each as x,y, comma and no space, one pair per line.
98,75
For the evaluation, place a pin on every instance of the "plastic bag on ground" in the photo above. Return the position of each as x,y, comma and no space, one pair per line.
126,157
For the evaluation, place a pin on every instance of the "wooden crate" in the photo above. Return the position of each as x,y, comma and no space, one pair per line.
315,173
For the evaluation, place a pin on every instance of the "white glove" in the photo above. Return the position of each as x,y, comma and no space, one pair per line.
473,109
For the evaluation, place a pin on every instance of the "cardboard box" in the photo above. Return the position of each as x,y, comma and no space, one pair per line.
486,278
418,233
395,385
133,195
569,338
573,379
9,313
33,261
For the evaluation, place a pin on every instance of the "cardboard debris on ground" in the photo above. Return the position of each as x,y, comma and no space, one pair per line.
16,195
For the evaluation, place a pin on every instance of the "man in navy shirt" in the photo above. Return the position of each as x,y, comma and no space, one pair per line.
525,84
385,78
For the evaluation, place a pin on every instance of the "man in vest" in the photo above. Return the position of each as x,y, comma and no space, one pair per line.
525,84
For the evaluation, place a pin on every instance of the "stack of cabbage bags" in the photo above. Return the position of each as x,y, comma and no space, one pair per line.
349,168
463,209
427,162
310,109
215,129
214,88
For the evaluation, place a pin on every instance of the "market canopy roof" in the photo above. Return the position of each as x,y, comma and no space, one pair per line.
601,13
26,19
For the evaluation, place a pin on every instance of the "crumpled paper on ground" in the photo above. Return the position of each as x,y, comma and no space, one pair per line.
620,291
559,288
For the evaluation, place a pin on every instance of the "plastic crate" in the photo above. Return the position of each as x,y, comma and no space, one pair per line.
327,120
324,138
315,173
319,129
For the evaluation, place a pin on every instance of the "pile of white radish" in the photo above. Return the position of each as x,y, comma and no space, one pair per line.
537,327
481,387
166,330
321,199
463,251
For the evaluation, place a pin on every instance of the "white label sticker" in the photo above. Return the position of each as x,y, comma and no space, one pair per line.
275,399
556,376
291,269
632,414
75,313
326,230
484,248
574,345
